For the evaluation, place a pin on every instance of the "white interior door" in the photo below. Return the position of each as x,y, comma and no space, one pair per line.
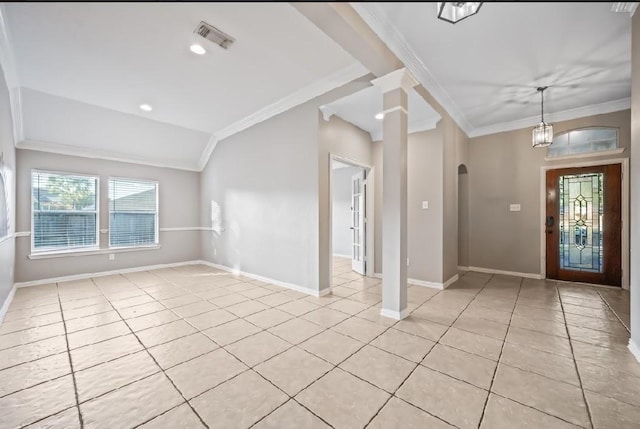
357,222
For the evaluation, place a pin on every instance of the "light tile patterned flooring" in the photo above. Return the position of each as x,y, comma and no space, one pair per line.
194,347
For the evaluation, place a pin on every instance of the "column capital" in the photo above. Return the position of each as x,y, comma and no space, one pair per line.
400,78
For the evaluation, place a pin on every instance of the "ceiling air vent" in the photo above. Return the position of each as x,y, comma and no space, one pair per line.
211,33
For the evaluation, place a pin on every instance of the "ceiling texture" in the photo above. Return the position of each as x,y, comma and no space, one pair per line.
485,69
79,68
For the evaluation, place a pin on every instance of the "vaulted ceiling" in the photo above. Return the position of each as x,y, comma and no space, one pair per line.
83,64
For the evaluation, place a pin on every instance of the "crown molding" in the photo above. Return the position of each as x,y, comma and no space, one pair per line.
401,78
319,87
63,149
206,154
565,115
375,18
8,63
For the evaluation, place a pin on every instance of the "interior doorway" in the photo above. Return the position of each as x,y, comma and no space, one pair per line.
349,221
583,224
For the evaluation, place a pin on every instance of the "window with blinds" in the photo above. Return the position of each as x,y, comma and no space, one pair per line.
64,208
133,212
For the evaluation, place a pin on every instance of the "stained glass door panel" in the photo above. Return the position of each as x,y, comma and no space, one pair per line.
583,224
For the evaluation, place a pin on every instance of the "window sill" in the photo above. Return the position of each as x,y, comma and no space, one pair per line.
586,155
91,252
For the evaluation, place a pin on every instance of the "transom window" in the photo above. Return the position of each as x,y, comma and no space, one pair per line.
133,212
64,209
583,141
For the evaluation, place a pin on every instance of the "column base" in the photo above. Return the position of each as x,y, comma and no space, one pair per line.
392,314
635,350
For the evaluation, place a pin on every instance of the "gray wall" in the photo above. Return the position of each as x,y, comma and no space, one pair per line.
504,169
635,182
179,202
341,209
266,182
7,148
425,183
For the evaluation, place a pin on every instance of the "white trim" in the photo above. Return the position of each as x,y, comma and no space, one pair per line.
506,273
16,114
338,255
565,115
424,283
377,20
624,162
635,350
322,86
103,273
327,112
23,234
63,149
395,109
7,303
206,154
461,268
392,314
451,281
74,253
377,275
397,79
268,280
617,151
186,228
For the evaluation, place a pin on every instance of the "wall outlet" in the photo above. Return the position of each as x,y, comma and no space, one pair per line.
215,252
514,207
407,262
112,256
425,205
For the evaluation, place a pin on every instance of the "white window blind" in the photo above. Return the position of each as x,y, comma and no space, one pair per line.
133,212
65,212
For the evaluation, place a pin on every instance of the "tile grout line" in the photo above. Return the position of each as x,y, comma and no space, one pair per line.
575,362
73,373
504,341
615,313
393,394
153,358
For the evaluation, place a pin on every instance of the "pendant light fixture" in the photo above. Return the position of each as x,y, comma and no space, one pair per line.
543,132
455,11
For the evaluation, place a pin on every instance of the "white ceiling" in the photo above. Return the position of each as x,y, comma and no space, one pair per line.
118,56
360,109
485,70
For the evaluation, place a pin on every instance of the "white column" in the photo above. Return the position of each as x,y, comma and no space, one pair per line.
394,86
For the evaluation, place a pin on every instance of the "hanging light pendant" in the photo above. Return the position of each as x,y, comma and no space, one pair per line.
543,132
454,11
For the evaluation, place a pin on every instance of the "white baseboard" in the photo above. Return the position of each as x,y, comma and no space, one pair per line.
635,350
102,274
338,255
505,273
396,315
291,286
7,303
461,268
424,283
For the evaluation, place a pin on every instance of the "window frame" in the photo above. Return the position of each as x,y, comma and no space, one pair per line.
616,151
76,249
156,242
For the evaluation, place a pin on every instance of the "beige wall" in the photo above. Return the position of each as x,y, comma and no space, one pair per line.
179,199
504,169
7,244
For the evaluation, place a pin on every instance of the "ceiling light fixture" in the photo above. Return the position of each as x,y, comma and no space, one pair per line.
197,49
543,132
146,107
455,11
380,116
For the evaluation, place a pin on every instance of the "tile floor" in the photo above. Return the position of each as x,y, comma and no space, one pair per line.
192,347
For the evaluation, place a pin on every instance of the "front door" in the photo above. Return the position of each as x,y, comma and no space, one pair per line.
583,224
357,222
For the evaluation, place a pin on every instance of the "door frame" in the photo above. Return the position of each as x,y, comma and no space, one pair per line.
369,210
624,164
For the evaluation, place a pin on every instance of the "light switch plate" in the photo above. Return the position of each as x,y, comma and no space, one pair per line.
514,207
425,205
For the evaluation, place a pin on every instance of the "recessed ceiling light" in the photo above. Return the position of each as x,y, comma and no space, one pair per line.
380,116
146,107
197,49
